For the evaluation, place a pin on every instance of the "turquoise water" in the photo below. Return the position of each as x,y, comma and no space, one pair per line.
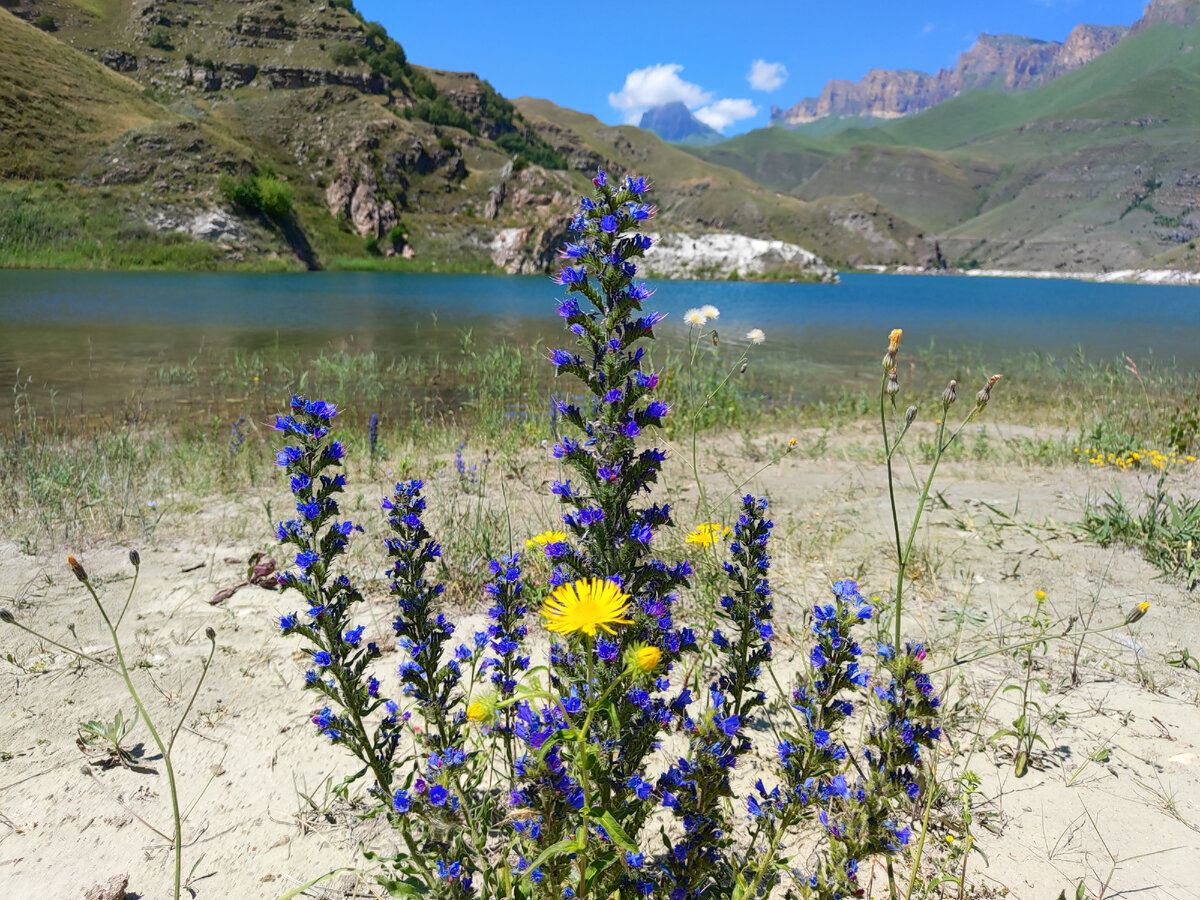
99,332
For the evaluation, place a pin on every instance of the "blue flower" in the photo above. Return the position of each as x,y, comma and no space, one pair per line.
608,224
438,795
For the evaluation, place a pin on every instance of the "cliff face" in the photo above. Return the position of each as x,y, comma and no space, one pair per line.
1168,12
1006,61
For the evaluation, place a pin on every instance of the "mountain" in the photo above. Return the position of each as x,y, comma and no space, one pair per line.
1094,170
290,134
1006,62
675,122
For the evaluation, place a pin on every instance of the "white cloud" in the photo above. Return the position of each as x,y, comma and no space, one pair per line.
765,76
723,113
654,86
928,29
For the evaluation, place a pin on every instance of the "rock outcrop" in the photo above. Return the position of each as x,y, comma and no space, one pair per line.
1006,61
355,195
719,256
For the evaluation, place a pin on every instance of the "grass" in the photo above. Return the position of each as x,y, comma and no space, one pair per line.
122,468
1164,527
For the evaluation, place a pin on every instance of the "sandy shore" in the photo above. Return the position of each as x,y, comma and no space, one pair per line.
265,820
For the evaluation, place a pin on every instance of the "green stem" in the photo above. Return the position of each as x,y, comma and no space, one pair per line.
162,748
887,452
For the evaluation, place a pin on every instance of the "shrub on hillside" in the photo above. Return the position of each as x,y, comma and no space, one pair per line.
46,22
263,194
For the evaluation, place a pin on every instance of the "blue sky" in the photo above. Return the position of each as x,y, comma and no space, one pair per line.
704,51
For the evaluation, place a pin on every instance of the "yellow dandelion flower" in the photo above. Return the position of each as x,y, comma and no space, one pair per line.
586,605
708,534
482,711
1039,596
643,658
546,537
894,340
949,839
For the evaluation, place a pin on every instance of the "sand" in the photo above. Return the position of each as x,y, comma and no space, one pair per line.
257,780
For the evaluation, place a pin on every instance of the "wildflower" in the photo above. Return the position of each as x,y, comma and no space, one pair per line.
545,538
695,317
77,569
755,336
707,534
1039,596
950,394
889,358
584,606
985,393
893,383
1137,612
482,711
710,312
644,658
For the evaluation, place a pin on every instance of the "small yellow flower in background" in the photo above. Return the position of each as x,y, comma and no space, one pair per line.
791,442
1040,596
546,537
482,711
695,317
894,340
643,658
949,839
755,336
708,534
710,312
1138,611
584,606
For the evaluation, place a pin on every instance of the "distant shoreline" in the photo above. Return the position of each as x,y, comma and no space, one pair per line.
1174,277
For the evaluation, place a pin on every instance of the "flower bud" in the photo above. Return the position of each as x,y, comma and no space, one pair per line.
7,616
889,358
1137,612
715,339
950,394
893,383
742,369
982,398
909,415
210,633
135,558
77,568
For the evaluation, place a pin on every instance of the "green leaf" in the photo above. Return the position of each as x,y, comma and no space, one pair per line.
614,830
569,845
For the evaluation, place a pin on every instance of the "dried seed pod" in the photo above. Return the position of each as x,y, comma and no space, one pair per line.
715,339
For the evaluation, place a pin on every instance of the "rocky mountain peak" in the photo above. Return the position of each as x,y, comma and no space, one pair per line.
675,122
1008,61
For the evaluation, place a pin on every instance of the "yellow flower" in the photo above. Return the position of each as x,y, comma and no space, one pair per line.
644,658
949,839
1039,596
708,534
894,340
1137,612
481,711
546,537
586,605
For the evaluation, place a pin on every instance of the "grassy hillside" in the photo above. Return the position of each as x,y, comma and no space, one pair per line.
56,109
696,195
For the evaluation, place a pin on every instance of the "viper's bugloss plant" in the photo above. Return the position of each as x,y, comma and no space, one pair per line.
607,769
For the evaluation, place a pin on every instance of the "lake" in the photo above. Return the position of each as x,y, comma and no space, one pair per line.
90,339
